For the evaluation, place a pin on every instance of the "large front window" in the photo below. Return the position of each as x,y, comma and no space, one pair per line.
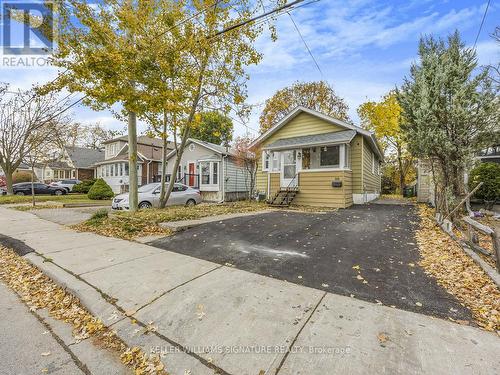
330,156
326,157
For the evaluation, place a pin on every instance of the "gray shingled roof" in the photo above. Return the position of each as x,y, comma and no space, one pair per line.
316,139
84,157
218,148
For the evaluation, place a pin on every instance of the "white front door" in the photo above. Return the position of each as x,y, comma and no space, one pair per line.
288,168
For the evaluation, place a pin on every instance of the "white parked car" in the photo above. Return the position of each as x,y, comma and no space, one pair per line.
67,184
149,196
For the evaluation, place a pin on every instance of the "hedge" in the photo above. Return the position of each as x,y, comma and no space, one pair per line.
100,190
84,186
489,175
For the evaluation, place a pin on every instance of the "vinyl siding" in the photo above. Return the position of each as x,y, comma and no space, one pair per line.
371,182
315,189
261,177
356,160
274,183
303,124
237,177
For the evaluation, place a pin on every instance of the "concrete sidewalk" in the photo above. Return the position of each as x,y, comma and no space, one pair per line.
203,317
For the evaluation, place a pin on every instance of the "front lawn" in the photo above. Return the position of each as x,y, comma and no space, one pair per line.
60,199
128,225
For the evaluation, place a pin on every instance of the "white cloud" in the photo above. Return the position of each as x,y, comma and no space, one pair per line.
488,52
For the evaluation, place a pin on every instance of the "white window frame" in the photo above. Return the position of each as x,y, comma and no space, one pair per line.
275,161
373,163
212,185
266,158
343,164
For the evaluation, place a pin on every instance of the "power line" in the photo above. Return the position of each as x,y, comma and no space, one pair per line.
190,18
307,47
256,18
482,22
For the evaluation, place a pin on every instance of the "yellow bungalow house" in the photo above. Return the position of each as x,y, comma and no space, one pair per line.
312,159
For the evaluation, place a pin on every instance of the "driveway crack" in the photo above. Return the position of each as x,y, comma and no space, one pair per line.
298,334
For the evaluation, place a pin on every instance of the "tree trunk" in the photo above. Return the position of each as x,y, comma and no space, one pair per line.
33,185
163,201
185,133
9,181
132,161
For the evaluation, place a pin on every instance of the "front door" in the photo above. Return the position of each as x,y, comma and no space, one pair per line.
288,168
191,169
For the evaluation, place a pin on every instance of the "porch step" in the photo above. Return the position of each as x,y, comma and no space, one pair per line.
284,197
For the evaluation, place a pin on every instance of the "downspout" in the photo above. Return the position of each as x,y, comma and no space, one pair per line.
147,172
223,170
268,185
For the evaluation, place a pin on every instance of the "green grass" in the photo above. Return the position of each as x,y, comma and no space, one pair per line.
69,198
128,225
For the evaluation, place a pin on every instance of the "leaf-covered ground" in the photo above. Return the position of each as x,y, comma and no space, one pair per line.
129,225
38,291
444,259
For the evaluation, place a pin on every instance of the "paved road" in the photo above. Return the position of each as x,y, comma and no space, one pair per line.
26,346
320,251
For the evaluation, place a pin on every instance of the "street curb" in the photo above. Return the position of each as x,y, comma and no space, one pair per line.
97,304
94,301
17,245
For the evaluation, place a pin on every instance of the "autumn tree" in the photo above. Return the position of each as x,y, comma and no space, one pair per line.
314,95
196,64
27,121
93,135
213,127
384,119
451,111
100,50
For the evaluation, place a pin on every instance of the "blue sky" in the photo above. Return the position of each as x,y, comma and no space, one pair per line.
364,49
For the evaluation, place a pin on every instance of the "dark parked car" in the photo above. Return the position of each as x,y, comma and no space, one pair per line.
24,188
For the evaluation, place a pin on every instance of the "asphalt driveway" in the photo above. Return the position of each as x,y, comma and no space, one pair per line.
367,252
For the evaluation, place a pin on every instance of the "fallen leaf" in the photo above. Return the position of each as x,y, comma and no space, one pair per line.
45,354
418,304
382,338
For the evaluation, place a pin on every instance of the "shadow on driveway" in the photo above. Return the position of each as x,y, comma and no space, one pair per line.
368,252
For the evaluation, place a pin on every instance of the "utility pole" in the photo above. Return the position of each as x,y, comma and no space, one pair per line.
132,148
132,161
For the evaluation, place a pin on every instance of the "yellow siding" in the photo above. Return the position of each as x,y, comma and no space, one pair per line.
315,189
274,184
303,124
261,177
356,161
371,182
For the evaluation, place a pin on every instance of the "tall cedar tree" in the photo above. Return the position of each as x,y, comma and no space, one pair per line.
451,111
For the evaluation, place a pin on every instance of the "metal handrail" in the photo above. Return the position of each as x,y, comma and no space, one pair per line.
294,177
